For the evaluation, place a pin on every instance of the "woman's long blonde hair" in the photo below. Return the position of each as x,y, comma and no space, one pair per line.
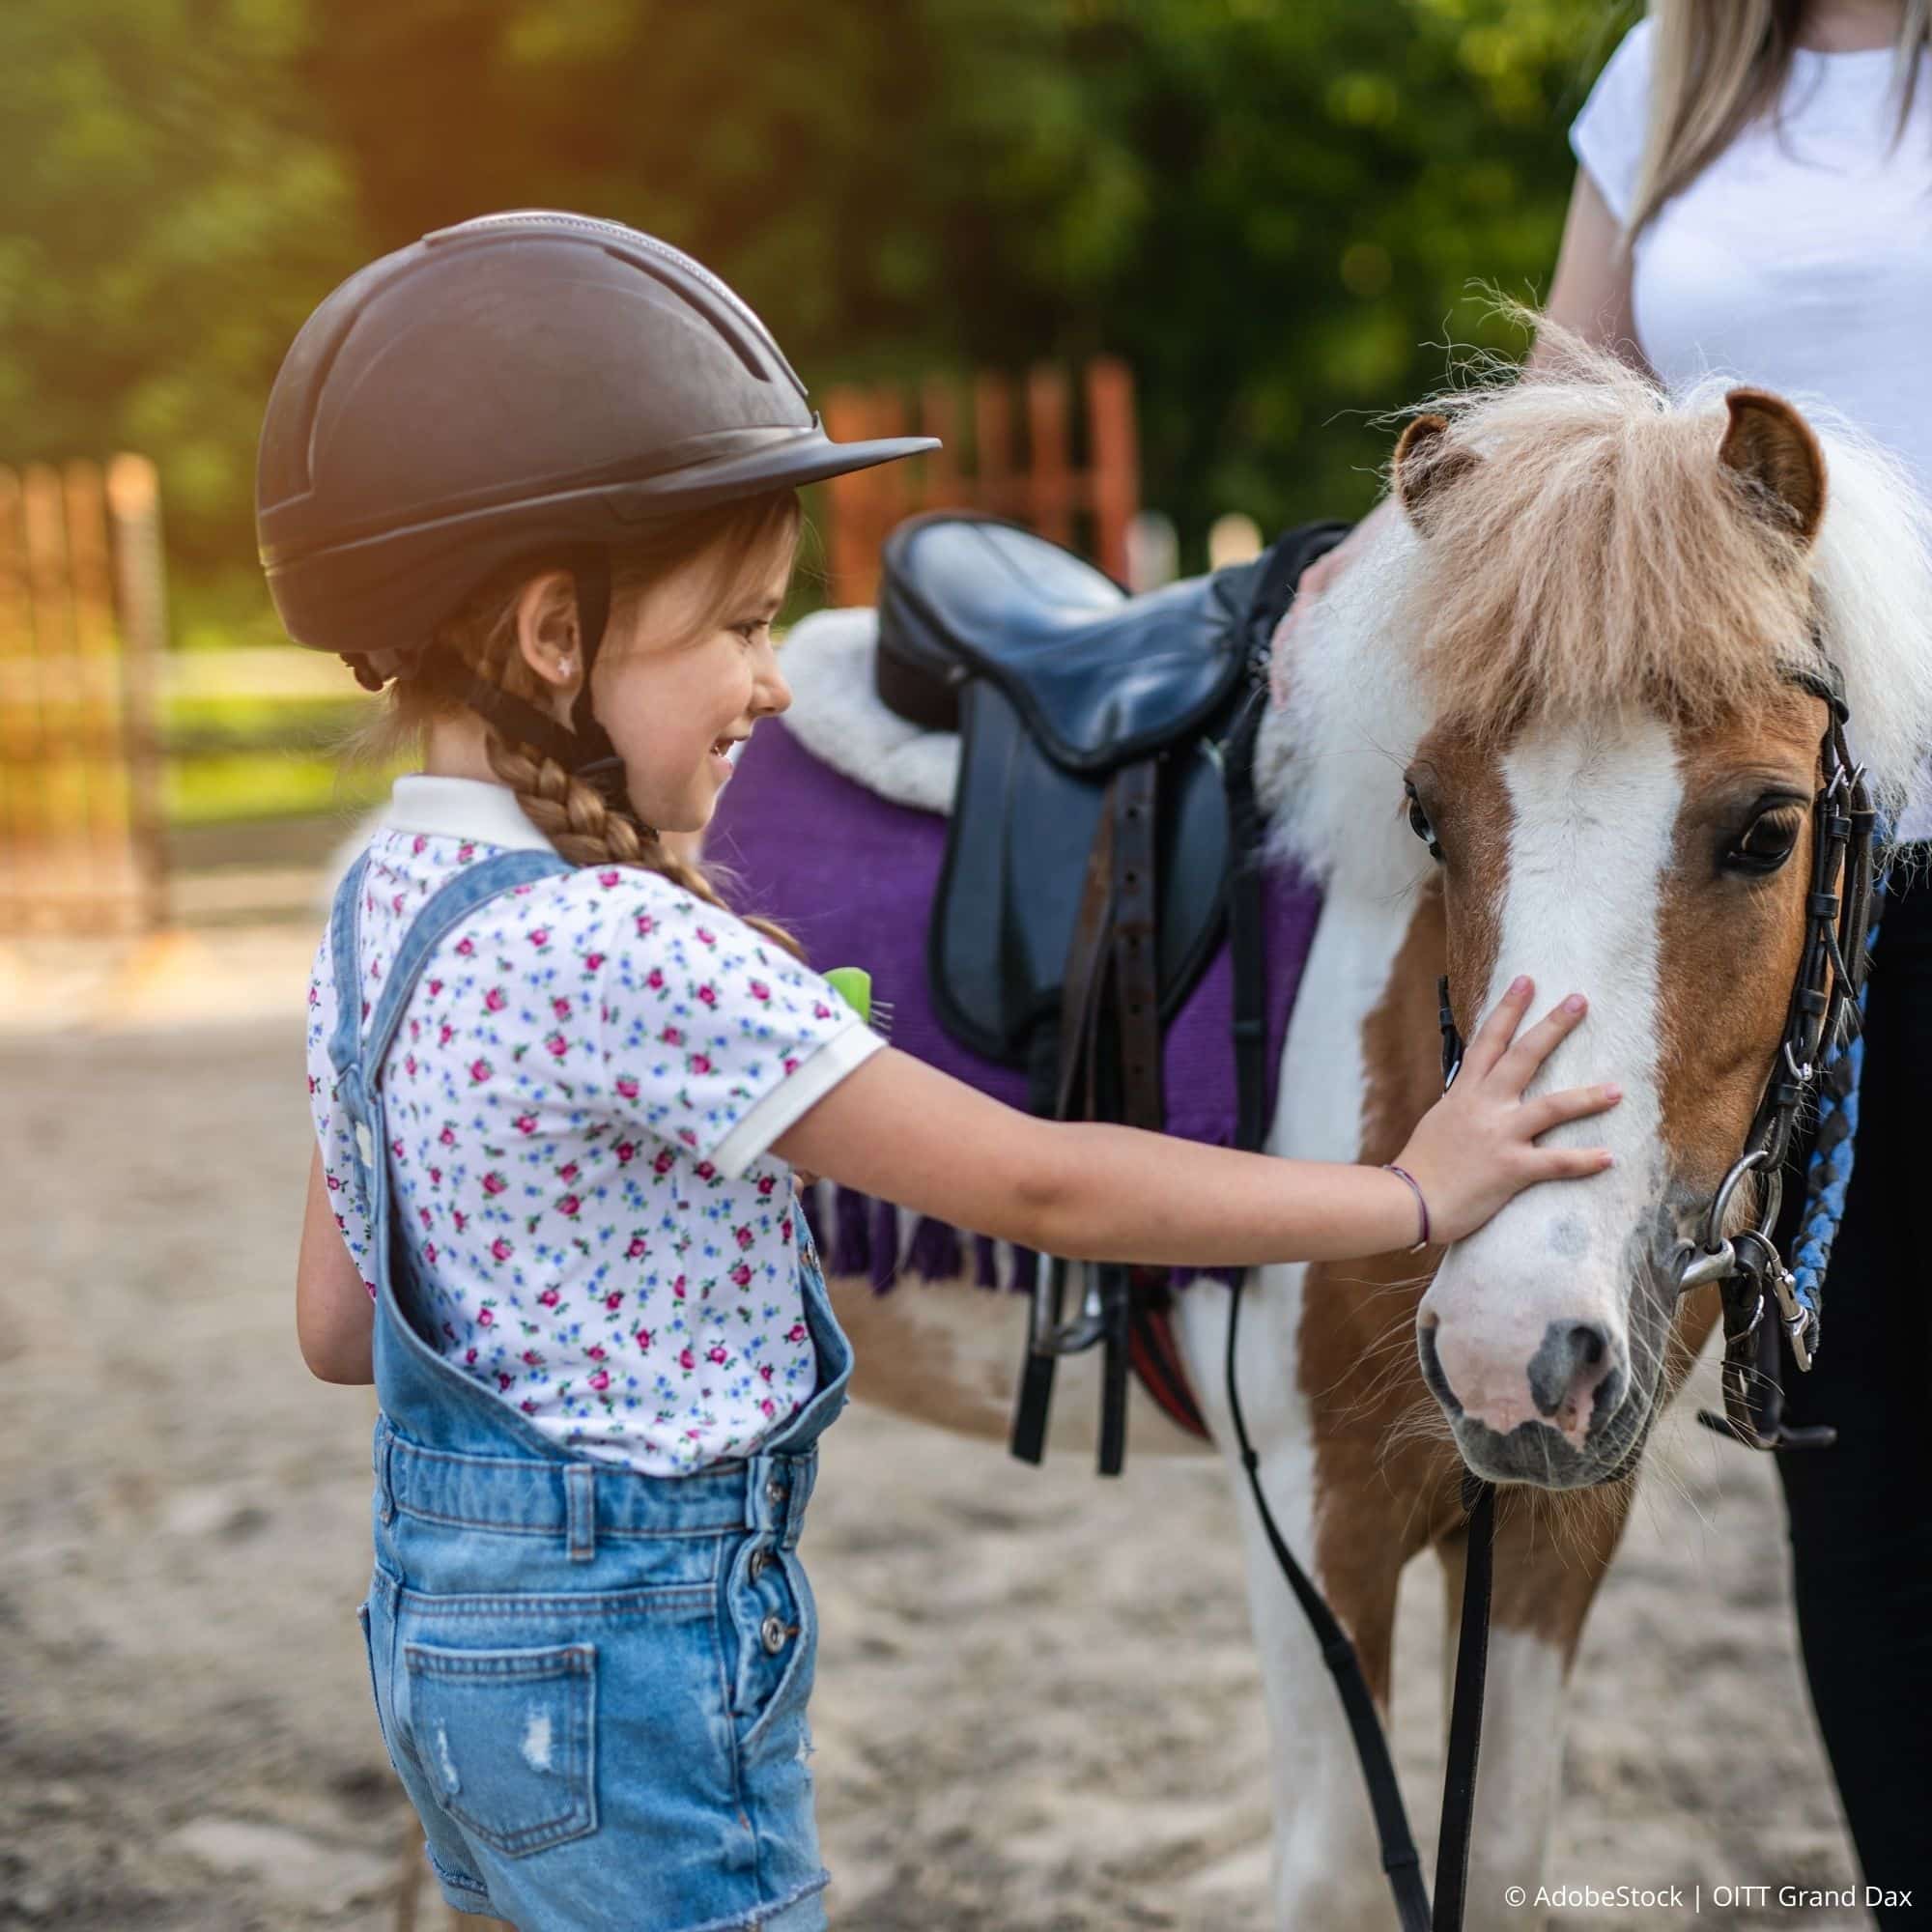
741,538
1716,65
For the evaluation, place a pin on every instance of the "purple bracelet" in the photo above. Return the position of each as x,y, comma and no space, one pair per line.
1389,1167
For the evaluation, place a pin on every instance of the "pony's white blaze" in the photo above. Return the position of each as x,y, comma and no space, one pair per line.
1594,813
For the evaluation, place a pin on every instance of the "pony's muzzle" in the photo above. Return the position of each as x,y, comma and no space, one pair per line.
1571,1381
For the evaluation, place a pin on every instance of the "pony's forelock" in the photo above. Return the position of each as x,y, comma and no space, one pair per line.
1601,561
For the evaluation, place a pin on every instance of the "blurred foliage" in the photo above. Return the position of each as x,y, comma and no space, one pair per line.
258,785
1275,208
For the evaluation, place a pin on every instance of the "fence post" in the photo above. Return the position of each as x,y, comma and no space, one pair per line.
1049,468
99,719
19,802
62,801
852,557
134,506
939,416
1114,453
993,442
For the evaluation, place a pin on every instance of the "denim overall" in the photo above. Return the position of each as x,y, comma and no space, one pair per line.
593,1683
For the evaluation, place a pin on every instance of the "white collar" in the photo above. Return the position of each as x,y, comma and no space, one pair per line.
475,809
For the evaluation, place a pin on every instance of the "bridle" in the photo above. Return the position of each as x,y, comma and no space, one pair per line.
1823,1016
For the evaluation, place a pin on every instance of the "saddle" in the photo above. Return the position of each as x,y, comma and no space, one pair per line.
1101,847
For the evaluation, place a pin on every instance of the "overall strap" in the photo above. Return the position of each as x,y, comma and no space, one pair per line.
357,1055
345,1041
444,908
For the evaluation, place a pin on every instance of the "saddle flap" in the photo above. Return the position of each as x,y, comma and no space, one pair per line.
1016,856
1099,678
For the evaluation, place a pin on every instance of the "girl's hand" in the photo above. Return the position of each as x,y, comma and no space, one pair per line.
1475,1149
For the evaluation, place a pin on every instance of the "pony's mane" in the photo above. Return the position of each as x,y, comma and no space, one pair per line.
1598,559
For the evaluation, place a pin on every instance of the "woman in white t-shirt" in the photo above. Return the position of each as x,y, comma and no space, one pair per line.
1755,198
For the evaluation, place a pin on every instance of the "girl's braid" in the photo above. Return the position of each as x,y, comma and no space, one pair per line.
574,817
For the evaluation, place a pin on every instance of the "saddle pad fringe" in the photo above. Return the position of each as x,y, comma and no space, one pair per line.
867,1237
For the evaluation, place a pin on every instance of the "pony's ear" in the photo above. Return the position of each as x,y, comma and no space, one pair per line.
1425,463
1775,453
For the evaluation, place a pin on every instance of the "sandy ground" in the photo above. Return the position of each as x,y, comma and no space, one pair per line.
1037,1705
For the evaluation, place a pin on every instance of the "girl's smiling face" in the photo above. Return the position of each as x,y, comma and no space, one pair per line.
687,669
680,681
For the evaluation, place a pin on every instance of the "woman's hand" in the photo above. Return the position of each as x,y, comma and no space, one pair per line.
1475,1149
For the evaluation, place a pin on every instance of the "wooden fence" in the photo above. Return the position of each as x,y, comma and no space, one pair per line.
1012,456
82,624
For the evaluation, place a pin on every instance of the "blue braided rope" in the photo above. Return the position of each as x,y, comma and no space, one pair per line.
1829,1172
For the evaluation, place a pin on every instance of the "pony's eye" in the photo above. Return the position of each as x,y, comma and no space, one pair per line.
1768,841
1418,823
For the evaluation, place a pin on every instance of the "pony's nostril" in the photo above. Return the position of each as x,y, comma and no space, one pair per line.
1568,1365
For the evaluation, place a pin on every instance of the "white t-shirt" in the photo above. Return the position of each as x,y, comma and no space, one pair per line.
1800,259
580,1101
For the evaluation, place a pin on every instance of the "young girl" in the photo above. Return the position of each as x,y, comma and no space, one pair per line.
539,471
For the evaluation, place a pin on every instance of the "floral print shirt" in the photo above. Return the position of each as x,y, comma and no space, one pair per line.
580,1103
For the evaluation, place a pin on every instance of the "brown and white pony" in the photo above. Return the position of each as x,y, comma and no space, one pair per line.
1574,648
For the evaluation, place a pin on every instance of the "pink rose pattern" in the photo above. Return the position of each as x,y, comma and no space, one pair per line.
571,1059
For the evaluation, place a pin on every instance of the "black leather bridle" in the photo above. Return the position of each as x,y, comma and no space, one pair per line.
1824,1015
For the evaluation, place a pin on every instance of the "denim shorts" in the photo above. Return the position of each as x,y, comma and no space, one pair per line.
619,1739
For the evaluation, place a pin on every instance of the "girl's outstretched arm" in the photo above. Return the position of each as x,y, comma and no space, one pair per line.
333,1312
901,1130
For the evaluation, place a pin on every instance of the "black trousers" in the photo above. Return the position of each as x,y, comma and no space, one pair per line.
1860,1513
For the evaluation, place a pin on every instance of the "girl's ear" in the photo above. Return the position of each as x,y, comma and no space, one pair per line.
547,630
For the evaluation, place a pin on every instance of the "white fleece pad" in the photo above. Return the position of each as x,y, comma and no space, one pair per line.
838,716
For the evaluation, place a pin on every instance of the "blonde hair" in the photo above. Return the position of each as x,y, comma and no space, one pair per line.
1603,558
481,633
1715,66
1588,555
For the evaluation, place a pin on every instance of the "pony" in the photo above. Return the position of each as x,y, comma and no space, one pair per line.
1548,723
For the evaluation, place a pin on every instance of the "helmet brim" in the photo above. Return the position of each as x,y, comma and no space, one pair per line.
813,458
403,580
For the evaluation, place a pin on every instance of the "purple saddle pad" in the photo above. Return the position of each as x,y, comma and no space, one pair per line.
853,875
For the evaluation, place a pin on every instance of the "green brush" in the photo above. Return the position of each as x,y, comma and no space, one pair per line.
854,986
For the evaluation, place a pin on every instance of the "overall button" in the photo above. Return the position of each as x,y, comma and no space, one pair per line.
761,1561
772,1633
775,1492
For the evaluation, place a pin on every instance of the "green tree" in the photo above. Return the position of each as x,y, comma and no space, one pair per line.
1273,207
172,212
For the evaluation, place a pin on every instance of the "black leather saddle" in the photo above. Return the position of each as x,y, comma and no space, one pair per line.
1097,843
1058,683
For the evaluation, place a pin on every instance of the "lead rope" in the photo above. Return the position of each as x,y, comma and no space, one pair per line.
1401,1861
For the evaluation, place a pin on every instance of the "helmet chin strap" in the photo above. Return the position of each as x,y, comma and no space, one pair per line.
584,750
598,762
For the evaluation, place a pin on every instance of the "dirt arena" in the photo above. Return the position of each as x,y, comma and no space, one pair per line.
1037,1706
